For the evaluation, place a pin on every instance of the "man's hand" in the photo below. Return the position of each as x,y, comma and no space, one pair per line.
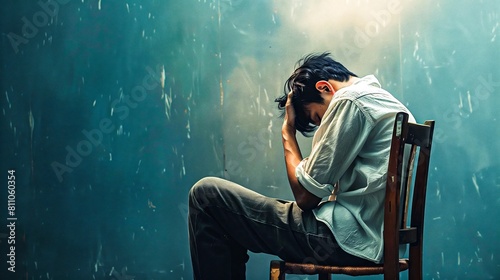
289,122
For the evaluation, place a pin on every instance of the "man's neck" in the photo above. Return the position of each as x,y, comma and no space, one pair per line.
338,85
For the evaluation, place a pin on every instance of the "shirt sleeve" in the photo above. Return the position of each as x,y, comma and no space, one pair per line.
336,144
313,186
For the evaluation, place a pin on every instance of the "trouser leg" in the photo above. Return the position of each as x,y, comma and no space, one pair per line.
226,220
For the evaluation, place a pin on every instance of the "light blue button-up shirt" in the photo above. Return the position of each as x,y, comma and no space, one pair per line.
351,147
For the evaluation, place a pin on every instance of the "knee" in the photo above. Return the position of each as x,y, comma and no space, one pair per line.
203,185
203,190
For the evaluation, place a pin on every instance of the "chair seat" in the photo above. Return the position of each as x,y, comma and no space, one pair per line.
300,268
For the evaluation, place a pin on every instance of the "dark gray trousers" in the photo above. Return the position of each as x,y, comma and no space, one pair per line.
226,220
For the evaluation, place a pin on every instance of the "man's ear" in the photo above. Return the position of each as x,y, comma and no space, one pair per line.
324,86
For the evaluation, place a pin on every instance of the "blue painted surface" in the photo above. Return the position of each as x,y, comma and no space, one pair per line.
111,110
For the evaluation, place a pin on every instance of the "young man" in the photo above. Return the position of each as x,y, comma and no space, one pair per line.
352,120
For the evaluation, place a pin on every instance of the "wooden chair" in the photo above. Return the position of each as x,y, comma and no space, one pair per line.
400,187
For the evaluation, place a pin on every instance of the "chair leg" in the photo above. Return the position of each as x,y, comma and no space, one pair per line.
324,276
277,272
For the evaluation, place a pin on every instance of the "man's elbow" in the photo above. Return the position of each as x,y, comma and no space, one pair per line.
308,202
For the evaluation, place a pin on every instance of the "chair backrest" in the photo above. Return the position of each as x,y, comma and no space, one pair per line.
405,180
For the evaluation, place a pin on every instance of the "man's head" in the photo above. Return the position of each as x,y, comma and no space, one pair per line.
309,82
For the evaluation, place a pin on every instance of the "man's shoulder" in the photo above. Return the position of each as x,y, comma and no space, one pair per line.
364,86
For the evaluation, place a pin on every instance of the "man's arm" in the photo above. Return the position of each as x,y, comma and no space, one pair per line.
305,200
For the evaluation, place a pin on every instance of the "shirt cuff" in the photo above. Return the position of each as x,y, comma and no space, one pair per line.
308,182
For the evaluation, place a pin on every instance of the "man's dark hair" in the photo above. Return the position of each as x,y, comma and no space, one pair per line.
311,69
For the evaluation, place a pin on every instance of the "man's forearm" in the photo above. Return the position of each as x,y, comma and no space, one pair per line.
292,153
293,156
